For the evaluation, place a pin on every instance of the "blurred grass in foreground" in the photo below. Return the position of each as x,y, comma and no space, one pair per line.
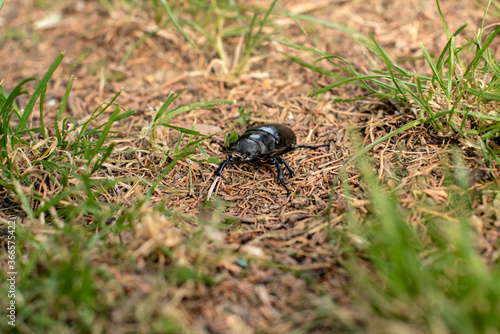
427,272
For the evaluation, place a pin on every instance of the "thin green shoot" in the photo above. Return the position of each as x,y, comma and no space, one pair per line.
176,22
31,103
59,115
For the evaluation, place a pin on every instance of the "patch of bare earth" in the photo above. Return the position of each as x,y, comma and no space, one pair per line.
272,227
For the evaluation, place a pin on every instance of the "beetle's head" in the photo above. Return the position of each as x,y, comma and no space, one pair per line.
246,149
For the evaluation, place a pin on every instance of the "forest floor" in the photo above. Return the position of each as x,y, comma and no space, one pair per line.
259,260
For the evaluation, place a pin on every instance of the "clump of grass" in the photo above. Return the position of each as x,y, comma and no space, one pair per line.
57,176
459,99
68,156
235,31
216,24
76,279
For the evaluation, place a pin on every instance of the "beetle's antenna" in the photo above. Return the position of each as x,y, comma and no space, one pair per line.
212,187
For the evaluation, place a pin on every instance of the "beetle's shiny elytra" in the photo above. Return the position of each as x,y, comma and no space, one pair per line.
264,140
263,144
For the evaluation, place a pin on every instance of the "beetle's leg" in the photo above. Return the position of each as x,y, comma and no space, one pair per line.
218,173
281,177
293,147
222,165
282,161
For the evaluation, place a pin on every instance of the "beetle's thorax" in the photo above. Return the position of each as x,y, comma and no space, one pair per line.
253,146
247,149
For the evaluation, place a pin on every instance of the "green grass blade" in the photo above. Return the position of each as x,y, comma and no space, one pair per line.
22,197
182,130
105,156
196,26
42,102
354,34
96,113
316,69
60,130
9,102
8,109
176,23
163,109
29,107
484,19
430,62
104,134
492,132
451,73
134,46
445,25
384,138
424,105
481,50
248,42
193,106
292,17
97,130
485,95
255,37
353,80
185,153
388,63
446,48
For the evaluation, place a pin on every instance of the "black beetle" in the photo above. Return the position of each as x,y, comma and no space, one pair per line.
263,144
